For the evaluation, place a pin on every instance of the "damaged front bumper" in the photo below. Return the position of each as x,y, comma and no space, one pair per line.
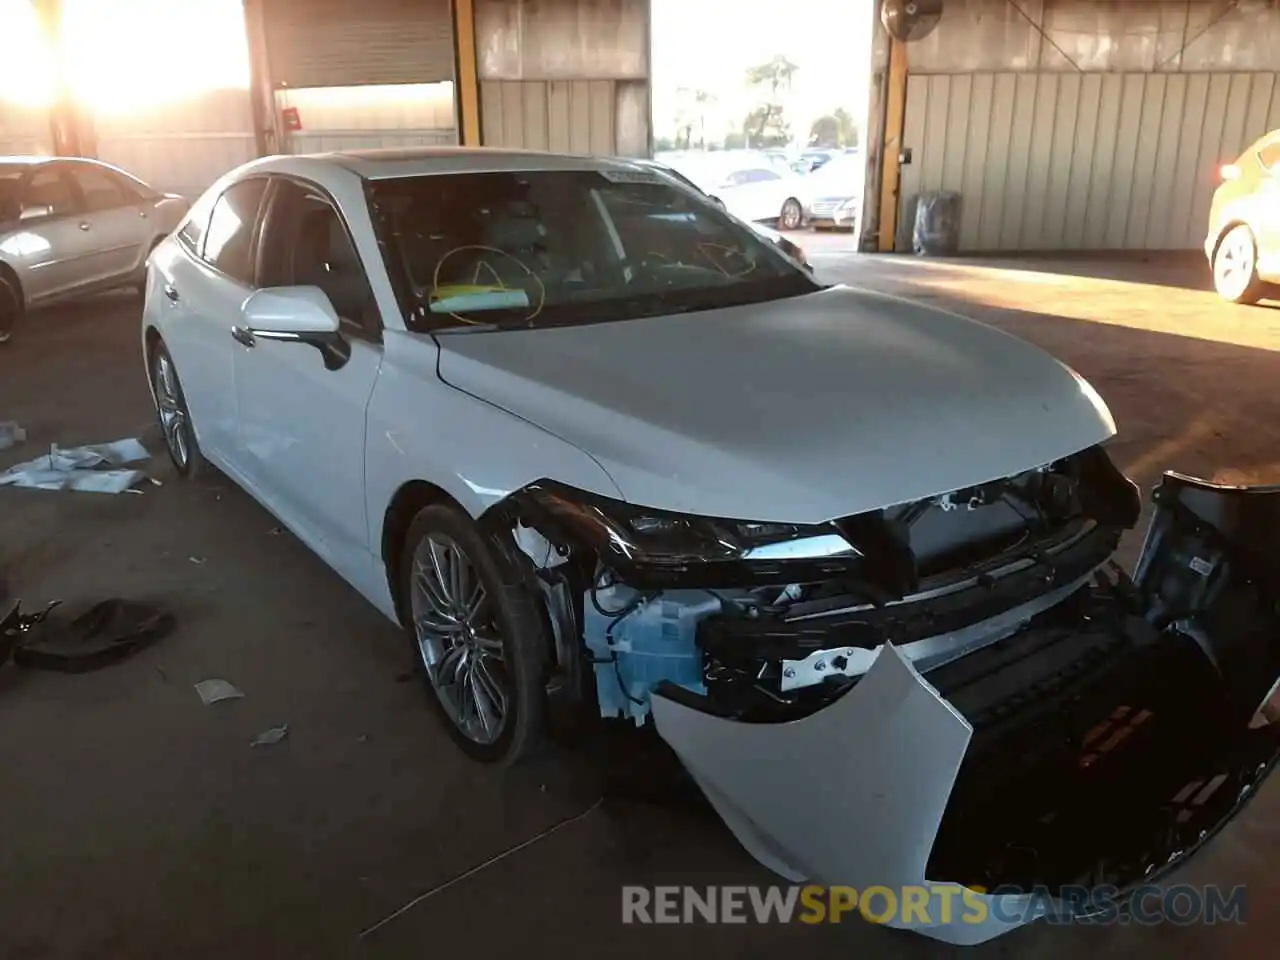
1099,741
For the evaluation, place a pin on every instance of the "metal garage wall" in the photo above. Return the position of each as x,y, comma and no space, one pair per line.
1061,161
338,43
180,147
352,118
564,75
1077,124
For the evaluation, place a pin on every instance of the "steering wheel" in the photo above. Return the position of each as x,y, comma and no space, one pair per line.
720,257
482,265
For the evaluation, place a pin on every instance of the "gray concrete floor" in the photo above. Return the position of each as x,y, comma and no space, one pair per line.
136,822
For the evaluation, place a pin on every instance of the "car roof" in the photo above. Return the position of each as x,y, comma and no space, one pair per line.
391,162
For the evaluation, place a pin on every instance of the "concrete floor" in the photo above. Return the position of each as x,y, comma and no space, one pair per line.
136,822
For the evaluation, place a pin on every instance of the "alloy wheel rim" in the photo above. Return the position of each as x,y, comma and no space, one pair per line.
790,216
460,646
173,415
1234,264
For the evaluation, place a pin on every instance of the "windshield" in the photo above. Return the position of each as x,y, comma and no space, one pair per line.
542,248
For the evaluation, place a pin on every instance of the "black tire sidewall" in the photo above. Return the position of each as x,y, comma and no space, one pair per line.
10,307
520,624
195,459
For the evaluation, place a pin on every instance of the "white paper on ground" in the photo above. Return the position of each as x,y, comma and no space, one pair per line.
211,691
74,468
11,434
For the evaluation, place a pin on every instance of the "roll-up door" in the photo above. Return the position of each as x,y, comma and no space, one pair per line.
344,43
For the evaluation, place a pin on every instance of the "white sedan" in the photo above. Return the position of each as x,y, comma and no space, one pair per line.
586,437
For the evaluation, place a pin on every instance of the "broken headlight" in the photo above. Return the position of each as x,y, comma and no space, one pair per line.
628,533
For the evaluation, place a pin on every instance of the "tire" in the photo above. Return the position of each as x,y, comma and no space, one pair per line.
10,309
791,215
1235,267
499,653
174,417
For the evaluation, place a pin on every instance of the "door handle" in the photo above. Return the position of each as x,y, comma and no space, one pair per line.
171,292
244,336
86,225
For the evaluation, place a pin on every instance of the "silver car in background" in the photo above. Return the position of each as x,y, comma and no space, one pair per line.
71,226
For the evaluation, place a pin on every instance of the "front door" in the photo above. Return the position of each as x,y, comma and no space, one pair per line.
1269,210
302,425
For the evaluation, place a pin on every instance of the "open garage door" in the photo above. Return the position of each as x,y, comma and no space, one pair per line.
360,73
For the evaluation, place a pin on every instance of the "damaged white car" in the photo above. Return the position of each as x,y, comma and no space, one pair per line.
584,435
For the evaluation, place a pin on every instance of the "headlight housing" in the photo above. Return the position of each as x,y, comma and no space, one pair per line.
630,535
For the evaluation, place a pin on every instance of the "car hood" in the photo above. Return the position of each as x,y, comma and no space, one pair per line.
798,410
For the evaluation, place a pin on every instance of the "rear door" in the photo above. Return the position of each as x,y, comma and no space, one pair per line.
203,292
50,241
118,224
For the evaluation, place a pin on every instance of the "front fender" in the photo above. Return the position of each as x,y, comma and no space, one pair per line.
420,428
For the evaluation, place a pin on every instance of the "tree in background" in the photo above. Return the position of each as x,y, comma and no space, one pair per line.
765,125
834,130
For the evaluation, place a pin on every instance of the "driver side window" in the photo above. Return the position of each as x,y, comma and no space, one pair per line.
305,242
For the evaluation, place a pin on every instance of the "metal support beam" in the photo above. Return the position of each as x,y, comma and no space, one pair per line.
895,95
72,127
466,83
262,98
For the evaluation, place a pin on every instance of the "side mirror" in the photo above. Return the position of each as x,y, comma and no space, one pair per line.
36,212
294,315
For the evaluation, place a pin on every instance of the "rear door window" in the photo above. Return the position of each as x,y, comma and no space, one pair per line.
100,190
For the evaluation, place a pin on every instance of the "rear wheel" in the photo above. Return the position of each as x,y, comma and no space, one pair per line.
791,215
10,308
1235,267
477,635
175,418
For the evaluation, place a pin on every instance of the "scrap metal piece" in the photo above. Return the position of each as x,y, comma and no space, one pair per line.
214,690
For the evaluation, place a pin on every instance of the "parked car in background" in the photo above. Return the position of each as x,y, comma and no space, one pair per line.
71,226
836,192
593,444
1243,239
749,186
780,240
811,160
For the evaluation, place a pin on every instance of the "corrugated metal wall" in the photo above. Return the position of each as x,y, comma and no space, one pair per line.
1060,161
570,76
180,147
353,118
566,116
1085,124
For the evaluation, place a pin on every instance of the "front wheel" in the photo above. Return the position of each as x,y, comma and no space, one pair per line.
1235,267
791,215
477,635
175,418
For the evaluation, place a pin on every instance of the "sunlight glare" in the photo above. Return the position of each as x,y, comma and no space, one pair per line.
131,54
26,72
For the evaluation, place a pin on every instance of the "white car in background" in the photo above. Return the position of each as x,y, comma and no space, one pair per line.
751,187
835,191
71,226
585,437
